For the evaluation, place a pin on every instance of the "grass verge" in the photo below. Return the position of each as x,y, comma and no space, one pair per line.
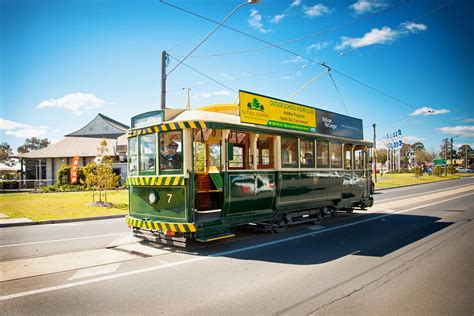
403,179
49,206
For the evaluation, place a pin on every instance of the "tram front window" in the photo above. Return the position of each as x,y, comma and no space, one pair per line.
171,150
133,156
147,153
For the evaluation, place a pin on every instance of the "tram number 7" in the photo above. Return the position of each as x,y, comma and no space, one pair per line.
169,195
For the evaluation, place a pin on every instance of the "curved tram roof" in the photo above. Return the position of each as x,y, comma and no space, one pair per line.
227,116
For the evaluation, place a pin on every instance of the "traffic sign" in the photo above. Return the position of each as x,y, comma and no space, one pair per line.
439,162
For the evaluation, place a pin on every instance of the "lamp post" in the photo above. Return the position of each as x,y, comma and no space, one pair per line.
163,68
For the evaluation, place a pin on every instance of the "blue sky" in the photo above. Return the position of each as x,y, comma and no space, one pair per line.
62,62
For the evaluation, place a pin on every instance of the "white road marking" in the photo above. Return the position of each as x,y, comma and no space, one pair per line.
423,193
94,271
59,240
220,254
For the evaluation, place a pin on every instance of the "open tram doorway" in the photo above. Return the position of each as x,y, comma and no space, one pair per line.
207,153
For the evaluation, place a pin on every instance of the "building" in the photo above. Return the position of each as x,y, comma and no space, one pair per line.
43,164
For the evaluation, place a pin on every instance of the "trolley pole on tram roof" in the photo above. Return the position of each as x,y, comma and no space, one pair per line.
163,79
375,156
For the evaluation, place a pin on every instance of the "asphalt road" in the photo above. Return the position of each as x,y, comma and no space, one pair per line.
410,254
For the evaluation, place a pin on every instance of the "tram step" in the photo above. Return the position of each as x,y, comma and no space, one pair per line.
215,237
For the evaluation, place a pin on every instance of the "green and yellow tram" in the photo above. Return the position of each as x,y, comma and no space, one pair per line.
198,174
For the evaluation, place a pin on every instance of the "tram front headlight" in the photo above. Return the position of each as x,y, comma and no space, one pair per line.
152,197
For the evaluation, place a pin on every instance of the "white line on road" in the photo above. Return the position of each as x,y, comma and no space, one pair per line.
65,239
423,193
220,254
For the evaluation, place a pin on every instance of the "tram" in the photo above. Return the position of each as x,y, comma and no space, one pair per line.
199,174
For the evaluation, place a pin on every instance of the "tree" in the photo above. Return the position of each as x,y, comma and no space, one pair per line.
382,155
465,150
5,154
33,144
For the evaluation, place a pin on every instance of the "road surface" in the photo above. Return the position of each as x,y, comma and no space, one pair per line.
410,254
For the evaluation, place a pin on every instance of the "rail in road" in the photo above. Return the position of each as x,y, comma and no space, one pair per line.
307,269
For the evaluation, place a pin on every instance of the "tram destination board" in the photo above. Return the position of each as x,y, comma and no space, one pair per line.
263,110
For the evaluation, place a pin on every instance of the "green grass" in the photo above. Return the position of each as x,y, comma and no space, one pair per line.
397,180
48,206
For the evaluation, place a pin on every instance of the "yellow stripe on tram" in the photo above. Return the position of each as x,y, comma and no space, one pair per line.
192,124
181,228
203,125
155,128
164,128
176,181
160,179
181,125
168,179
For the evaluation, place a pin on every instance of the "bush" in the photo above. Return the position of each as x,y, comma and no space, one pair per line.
437,171
64,173
61,188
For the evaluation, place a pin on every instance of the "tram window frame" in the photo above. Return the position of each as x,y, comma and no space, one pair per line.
246,153
295,142
132,158
320,152
348,162
182,153
303,155
148,171
359,162
334,158
270,139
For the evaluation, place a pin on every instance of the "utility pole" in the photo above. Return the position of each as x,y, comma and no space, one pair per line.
163,79
465,156
446,157
451,153
375,155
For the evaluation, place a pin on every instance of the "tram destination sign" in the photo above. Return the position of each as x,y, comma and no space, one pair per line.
147,119
263,110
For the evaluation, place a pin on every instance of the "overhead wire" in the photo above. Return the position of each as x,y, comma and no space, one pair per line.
203,74
303,57
330,29
338,92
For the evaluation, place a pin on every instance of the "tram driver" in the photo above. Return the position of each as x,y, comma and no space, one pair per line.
172,160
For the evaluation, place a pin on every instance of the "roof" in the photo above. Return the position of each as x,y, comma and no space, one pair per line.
101,127
71,147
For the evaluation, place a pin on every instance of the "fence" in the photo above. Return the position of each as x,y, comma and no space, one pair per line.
23,185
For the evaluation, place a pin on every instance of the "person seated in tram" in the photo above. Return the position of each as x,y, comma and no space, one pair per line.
308,158
173,158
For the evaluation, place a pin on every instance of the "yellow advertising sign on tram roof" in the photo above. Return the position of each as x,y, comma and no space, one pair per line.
262,110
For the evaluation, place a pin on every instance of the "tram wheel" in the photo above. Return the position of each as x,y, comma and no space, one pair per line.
281,225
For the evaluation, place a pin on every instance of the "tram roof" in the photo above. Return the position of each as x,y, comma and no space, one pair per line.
227,116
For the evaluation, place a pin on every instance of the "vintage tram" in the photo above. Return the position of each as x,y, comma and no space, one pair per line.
199,174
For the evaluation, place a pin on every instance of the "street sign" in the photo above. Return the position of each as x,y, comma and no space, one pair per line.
439,162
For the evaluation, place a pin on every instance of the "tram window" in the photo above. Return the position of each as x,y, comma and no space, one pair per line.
289,151
240,150
322,148
265,152
306,154
133,156
336,155
358,158
171,149
147,153
348,156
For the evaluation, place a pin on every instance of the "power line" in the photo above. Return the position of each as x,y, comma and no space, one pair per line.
338,92
303,57
330,29
202,74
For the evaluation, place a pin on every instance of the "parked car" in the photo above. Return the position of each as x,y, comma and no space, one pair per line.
463,170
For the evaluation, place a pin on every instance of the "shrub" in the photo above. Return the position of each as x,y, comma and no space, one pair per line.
64,173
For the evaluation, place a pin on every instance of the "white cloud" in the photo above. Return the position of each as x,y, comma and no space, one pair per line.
428,111
384,35
316,10
414,27
255,21
27,132
277,18
317,46
8,125
367,6
221,92
463,131
294,60
75,102
295,3
411,139
207,95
